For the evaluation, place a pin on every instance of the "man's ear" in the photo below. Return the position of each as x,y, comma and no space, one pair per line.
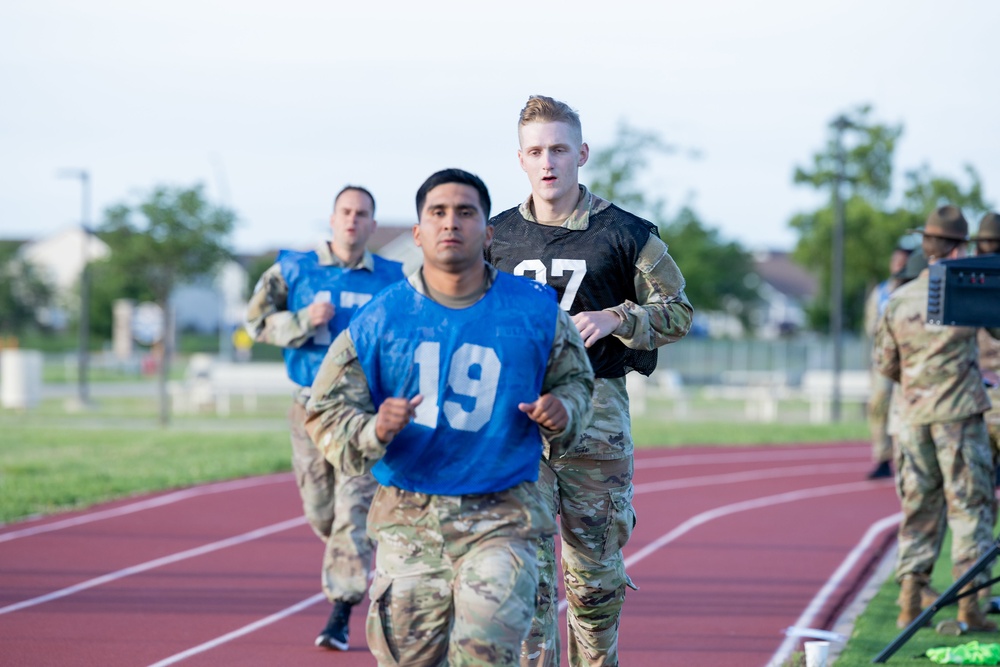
584,154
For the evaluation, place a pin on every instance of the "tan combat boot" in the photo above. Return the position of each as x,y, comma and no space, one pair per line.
970,613
909,599
928,596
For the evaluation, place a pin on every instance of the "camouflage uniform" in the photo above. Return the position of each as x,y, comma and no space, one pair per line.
455,575
589,482
335,505
879,400
944,458
989,359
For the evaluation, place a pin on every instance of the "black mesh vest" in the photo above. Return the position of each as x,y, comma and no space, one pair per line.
591,269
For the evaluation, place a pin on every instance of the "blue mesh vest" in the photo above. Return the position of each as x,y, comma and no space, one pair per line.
346,289
590,269
472,366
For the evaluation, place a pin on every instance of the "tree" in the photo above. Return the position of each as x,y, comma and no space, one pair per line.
173,235
868,160
925,191
110,282
870,235
24,292
715,269
872,226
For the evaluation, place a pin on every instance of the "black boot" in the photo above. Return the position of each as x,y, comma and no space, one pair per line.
334,635
881,471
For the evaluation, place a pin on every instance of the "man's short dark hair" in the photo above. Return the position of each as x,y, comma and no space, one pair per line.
356,188
459,176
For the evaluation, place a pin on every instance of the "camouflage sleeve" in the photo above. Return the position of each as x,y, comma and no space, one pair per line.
268,320
570,378
663,313
871,313
989,349
885,351
340,415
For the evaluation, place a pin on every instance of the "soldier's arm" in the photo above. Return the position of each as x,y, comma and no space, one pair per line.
663,313
885,351
570,378
340,415
268,317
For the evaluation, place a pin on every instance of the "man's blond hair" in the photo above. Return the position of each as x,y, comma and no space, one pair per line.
542,109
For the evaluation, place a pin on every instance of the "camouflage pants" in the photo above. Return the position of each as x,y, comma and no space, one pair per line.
944,467
336,507
878,417
455,576
594,499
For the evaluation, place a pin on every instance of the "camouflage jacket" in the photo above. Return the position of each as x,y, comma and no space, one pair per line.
937,367
661,315
268,318
341,414
989,359
663,312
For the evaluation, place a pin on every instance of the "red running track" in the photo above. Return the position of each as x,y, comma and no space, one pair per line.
733,546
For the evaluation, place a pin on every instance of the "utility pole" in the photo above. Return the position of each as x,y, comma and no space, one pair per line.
839,125
83,353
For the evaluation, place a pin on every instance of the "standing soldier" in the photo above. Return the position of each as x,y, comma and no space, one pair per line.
301,303
445,385
988,243
626,295
878,402
944,460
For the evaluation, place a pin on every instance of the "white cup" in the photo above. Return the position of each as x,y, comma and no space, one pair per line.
817,654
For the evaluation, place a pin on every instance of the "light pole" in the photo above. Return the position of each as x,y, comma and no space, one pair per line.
83,354
839,124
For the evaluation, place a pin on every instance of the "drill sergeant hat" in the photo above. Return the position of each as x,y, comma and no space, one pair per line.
947,222
989,228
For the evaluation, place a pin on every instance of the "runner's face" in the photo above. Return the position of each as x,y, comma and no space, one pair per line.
352,222
452,230
551,155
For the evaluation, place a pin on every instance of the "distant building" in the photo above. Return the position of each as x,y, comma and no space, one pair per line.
59,260
59,257
785,289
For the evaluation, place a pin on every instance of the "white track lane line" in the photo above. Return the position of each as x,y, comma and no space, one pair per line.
809,615
808,453
160,501
751,476
735,508
153,564
245,630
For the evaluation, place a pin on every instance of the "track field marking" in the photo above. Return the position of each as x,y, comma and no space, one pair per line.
160,501
747,476
807,617
153,564
754,457
734,508
245,630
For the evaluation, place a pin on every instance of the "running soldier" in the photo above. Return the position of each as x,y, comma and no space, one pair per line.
944,459
446,386
626,296
301,303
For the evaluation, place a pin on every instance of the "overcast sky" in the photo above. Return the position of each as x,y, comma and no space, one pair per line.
274,106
